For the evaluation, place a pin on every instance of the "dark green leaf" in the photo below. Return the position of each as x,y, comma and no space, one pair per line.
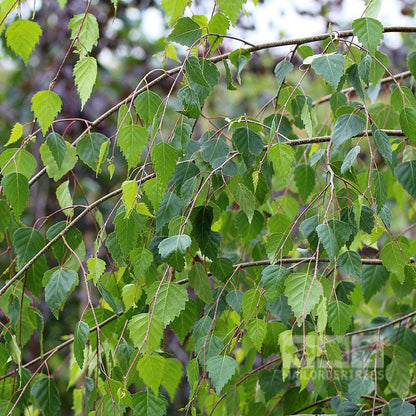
339,317
353,78
57,146
398,407
329,67
406,174
350,262
148,105
88,149
221,369
80,340
60,285
47,396
411,63
186,32
248,143
128,230
16,189
222,268
282,70
305,180
27,242
350,159
408,123
372,279
383,143
170,206
346,126
273,280
173,249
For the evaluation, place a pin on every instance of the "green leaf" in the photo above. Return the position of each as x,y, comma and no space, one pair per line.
146,330
198,279
132,140
379,189
141,259
46,396
394,259
173,250
45,106
16,189
256,331
303,293
129,190
164,158
215,150
383,144
398,407
174,9
350,262
360,386
353,77
218,24
398,371
282,70
329,67
373,278
271,382
194,71
60,285
170,301
145,403
273,280
5,216
231,8
184,171
186,32
148,105
19,161
221,369
128,230
96,268
52,168
282,156
172,375
89,148
16,134
411,63
27,243
346,126
190,101
22,36
350,159
247,142
253,304
406,174
185,322
408,122
57,147
84,28
170,206
369,32
333,236
239,58
151,369
378,67
85,74
305,180
222,268
287,349
402,97
339,317
80,341
245,199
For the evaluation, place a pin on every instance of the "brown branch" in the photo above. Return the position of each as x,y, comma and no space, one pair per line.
88,209
61,346
380,327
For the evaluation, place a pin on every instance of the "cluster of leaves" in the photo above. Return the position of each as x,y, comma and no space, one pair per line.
262,248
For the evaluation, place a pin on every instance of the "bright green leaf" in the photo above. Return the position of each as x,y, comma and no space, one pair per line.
220,369
85,74
369,32
22,36
45,106
16,189
80,340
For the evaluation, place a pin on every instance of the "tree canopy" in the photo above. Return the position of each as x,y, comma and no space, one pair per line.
193,227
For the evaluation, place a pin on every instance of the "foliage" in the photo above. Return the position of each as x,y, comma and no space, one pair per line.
231,262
